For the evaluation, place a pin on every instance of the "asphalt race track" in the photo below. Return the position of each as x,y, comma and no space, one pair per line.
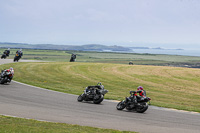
26,101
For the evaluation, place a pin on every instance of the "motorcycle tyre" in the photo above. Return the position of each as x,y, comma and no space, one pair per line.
16,59
143,109
120,106
3,57
2,81
80,98
98,101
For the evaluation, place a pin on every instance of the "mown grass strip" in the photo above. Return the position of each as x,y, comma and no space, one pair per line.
171,87
19,125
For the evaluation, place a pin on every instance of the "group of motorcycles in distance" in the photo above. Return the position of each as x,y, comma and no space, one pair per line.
131,103
18,54
7,74
91,93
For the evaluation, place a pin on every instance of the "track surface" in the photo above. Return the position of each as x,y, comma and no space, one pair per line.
26,101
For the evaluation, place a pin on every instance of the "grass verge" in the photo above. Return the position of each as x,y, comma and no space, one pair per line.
19,125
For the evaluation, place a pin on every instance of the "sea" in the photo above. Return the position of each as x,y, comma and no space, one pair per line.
186,52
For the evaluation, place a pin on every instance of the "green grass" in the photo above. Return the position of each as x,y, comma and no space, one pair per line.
171,87
105,57
167,86
19,125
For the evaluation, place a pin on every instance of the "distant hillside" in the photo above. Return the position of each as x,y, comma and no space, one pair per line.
88,47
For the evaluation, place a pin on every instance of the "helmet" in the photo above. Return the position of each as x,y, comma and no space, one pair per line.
140,88
99,83
11,68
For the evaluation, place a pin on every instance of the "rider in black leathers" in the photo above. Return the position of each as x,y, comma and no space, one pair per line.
20,53
7,52
88,90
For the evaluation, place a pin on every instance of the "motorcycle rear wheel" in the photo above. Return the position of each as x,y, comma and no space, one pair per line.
143,108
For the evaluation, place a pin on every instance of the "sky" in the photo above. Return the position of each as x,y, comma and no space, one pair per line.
152,23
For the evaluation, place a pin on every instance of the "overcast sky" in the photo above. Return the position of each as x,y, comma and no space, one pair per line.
174,23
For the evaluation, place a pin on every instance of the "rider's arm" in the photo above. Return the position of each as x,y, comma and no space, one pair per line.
139,91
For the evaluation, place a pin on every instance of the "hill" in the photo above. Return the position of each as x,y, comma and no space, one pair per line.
87,47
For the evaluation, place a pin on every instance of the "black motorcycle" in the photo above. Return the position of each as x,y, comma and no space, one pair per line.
3,56
134,103
17,57
73,58
6,76
93,93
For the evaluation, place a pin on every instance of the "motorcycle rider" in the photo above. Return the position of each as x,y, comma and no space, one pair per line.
7,52
73,57
100,85
9,70
142,93
88,90
20,53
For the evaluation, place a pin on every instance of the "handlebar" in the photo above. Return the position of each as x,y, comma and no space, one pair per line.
132,92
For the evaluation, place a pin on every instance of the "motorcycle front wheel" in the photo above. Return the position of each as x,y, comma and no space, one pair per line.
98,99
14,59
80,98
120,105
3,80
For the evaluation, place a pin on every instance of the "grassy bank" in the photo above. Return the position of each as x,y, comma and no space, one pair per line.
19,125
171,87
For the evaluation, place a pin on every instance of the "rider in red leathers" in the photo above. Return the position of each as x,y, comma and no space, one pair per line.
141,91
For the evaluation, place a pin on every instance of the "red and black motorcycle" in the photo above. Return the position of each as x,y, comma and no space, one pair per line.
134,103
6,76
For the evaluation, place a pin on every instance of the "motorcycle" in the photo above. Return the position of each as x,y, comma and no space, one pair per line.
6,76
3,56
73,58
134,103
17,57
93,93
